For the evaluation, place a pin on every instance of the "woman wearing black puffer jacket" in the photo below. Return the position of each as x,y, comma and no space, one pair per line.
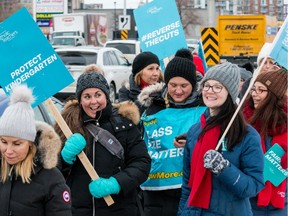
120,174
30,183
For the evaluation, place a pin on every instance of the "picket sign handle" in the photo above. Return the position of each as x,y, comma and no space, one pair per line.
255,74
82,156
166,61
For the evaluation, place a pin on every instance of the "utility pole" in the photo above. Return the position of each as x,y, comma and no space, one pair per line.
124,9
211,13
115,23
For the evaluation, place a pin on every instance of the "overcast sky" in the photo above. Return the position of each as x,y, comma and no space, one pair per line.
119,3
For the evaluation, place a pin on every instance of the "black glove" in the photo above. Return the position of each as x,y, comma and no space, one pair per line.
214,161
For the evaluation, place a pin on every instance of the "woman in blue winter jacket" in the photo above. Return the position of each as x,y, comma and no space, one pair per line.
220,182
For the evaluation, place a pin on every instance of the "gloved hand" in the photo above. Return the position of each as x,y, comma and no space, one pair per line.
214,161
73,146
103,187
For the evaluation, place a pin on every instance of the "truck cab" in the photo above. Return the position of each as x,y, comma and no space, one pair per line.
66,41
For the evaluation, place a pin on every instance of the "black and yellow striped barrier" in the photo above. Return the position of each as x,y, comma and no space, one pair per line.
209,37
124,34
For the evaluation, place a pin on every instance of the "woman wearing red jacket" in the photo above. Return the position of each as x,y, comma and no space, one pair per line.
266,111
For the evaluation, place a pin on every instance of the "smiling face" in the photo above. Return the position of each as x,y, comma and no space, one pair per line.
259,93
151,73
214,95
13,149
179,89
92,101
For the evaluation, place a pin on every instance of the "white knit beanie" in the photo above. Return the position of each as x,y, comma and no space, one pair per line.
228,74
18,118
264,52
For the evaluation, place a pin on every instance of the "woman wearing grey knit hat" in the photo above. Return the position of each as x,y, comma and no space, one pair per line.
221,181
145,72
109,137
171,110
30,183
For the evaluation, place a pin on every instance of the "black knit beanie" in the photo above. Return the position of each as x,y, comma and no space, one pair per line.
142,60
181,66
91,78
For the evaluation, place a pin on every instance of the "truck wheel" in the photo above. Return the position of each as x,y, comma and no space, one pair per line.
112,93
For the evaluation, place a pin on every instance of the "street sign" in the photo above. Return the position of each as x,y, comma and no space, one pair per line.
124,22
209,37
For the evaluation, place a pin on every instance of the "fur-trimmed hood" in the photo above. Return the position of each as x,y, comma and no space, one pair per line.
129,110
145,98
48,145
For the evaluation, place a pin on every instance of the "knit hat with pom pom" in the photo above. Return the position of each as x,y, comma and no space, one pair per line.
181,66
92,77
18,119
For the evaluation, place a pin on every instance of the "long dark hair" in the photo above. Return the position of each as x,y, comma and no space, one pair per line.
238,128
271,115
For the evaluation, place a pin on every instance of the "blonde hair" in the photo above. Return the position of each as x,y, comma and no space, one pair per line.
137,78
24,168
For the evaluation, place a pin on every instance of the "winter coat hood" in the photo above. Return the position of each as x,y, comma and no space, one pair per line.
145,98
158,92
48,145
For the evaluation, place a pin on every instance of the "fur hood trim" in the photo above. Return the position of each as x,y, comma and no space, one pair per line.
129,110
145,98
49,145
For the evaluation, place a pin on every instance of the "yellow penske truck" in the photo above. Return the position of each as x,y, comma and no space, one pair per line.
241,37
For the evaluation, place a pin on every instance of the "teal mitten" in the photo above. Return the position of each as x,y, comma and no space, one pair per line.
73,146
103,187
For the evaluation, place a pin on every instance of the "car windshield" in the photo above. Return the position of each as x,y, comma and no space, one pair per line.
78,58
63,41
124,48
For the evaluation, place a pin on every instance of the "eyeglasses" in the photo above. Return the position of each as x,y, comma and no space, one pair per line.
258,90
215,88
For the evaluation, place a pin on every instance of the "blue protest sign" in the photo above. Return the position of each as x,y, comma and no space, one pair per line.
279,51
159,28
160,130
27,57
202,56
273,170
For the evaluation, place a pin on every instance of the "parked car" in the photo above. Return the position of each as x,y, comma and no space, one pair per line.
116,67
130,48
193,45
65,41
41,111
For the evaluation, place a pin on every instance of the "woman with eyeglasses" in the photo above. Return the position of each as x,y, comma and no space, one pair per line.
221,181
266,110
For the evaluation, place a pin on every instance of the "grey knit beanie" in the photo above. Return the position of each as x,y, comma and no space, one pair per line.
18,118
245,74
91,78
228,74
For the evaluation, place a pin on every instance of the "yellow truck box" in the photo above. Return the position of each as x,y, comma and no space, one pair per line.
242,36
